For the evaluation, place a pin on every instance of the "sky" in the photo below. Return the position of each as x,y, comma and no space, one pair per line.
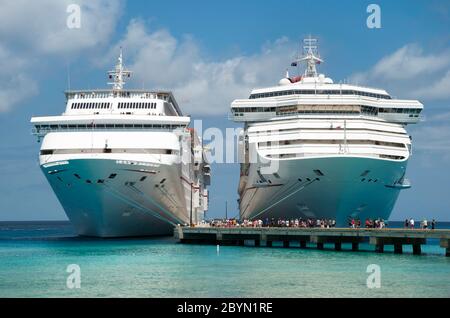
210,53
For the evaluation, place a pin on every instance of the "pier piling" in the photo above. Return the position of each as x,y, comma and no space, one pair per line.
445,243
379,248
417,249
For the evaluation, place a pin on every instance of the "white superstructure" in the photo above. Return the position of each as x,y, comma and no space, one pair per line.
124,162
315,149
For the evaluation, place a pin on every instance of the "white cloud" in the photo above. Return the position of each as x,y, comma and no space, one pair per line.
431,138
439,89
409,62
200,84
35,30
411,72
15,84
41,25
445,116
17,89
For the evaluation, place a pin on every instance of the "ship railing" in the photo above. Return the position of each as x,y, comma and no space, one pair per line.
262,116
65,128
121,94
242,116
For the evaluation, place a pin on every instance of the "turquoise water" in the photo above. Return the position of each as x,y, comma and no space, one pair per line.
34,258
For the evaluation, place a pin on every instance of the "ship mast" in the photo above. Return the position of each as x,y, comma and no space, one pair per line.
310,56
118,74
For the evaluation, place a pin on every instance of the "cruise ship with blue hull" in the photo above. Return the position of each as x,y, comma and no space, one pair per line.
124,162
314,149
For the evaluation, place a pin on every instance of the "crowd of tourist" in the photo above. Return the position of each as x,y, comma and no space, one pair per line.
353,223
300,223
368,224
410,223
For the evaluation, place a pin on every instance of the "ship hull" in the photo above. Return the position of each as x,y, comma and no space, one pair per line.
142,199
335,187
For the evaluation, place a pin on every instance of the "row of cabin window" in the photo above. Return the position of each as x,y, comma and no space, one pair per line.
137,105
364,109
316,92
107,126
91,105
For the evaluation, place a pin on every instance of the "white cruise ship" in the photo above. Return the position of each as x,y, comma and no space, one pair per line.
124,162
313,148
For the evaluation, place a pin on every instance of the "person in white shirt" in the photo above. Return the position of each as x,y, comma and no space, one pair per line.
411,223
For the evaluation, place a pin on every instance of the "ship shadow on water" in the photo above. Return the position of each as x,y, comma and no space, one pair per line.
62,231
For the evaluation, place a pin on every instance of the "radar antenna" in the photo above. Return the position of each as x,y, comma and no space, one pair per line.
118,74
310,56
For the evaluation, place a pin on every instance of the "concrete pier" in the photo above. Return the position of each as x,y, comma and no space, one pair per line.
378,238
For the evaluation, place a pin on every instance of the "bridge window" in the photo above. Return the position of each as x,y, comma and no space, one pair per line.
46,152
